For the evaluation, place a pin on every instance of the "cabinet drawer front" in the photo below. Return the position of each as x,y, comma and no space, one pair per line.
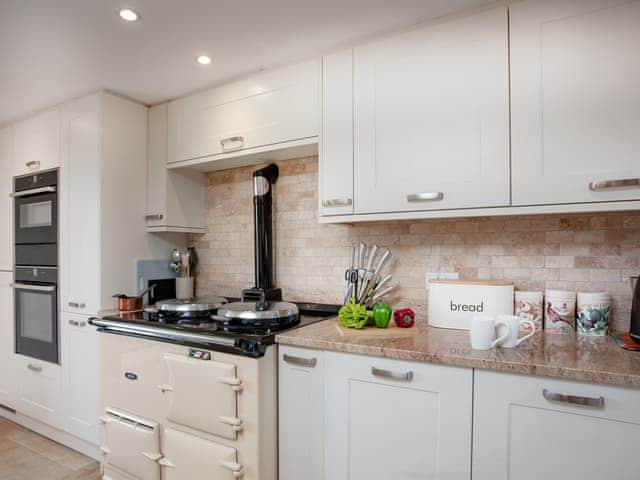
375,404
39,390
265,109
190,457
575,107
202,395
576,430
426,137
132,444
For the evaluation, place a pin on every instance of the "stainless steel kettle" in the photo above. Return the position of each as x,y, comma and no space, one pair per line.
635,309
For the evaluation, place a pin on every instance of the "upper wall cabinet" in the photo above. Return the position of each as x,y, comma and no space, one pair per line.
6,205
431,117
336,150
265,109
175,198
575,104
36,143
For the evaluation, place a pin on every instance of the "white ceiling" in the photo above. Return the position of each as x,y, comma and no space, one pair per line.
52,50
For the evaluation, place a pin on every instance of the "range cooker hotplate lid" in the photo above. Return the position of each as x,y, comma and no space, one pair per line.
188,306
250,311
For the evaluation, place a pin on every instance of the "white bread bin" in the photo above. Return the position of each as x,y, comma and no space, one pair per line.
453,303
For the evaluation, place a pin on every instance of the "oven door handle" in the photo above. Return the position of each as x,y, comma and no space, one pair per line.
34,288
33,191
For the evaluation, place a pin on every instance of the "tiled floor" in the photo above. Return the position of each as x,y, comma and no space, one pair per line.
25,455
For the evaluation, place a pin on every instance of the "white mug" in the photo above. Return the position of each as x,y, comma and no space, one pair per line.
483,332
513,324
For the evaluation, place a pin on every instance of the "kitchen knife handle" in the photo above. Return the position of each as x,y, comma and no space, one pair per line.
337,202
597,402
425,197
620,183
302,362
380,372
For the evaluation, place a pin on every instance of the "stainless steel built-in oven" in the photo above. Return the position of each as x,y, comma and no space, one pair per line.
36,219
36,312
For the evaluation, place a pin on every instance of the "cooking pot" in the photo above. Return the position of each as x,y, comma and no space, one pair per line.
128,303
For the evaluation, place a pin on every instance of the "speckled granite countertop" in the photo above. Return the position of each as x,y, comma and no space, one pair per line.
569,357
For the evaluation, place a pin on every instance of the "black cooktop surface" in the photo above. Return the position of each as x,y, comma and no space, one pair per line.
204,332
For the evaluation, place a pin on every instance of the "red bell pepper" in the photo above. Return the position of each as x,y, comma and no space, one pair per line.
404,318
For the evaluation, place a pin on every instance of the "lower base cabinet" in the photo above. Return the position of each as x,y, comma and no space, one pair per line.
39,391
528,428
350,417
7,342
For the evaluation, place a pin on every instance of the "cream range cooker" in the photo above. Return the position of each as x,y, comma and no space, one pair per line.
190,397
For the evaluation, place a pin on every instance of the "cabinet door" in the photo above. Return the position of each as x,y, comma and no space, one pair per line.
301,416
575,103
79,213
188,456
175,198
6,203
36,143
268,108
336,153
39,390
394,420
80,378
521,433
432,117
8,385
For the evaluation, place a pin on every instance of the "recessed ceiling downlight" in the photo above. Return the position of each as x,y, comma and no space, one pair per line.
129,15
203,59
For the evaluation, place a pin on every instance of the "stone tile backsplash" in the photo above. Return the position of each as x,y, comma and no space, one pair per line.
581,252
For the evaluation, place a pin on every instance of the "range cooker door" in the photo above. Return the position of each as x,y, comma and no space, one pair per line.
189,457
131,445
203,395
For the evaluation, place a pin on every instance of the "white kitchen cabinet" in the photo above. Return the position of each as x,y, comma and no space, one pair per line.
395,420
8,383
521,432
79,205
39,388
575,103
79,377
187,456
268,108
103,202
336,146
301,413
6,203
175,198
431,117
36,142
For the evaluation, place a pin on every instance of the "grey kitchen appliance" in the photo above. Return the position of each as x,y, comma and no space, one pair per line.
36,312
36,265
635,309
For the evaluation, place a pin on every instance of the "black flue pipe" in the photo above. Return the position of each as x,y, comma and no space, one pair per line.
263,179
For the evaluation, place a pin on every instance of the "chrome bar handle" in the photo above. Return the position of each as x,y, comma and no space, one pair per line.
33,288
235,139
79,305
75,323
337,202
620,183
380,372
302,362
33,165
155,216
573,399
34,368
425,197
33,191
